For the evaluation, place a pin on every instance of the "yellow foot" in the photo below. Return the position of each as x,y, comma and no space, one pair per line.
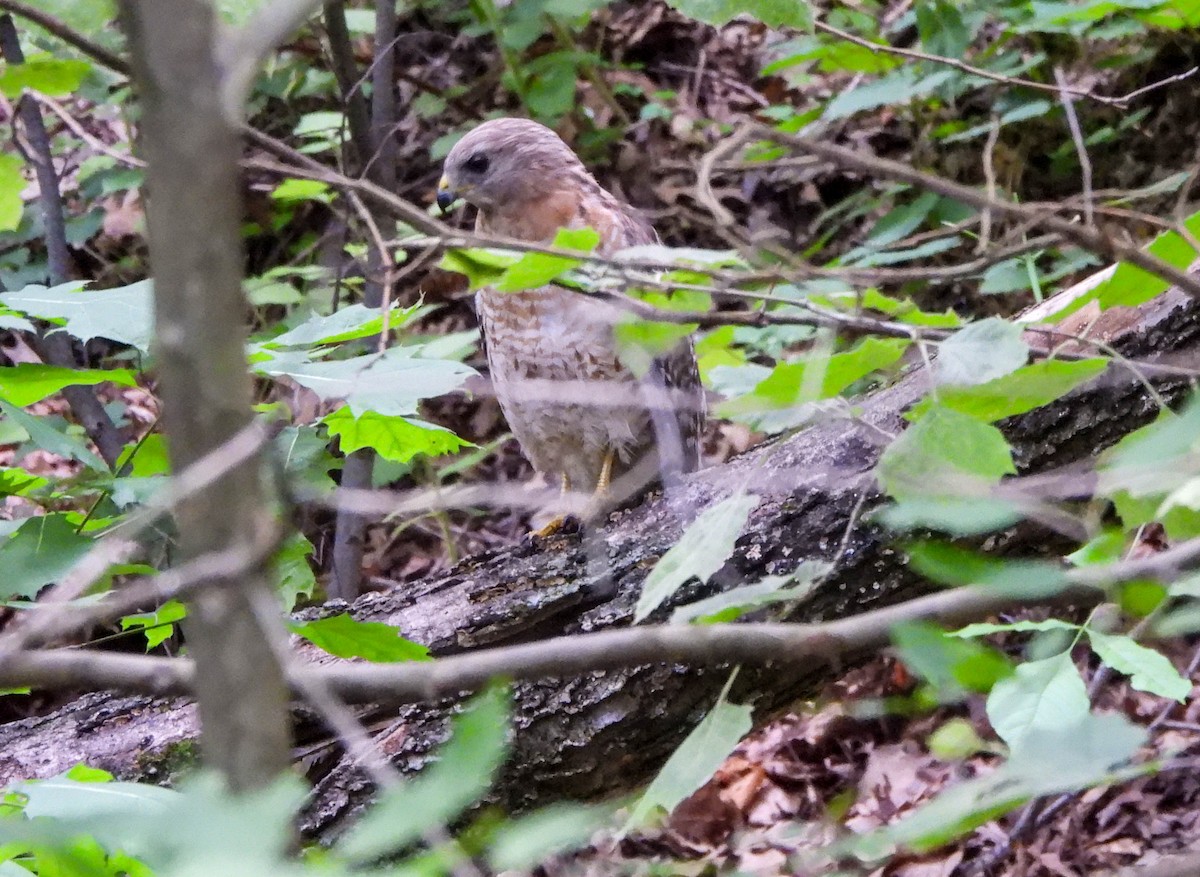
551,527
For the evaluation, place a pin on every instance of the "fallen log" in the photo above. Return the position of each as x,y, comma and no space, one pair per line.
599,733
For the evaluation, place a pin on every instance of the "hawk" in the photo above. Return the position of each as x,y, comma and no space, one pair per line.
598,420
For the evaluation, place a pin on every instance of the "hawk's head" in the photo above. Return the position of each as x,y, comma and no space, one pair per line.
506,162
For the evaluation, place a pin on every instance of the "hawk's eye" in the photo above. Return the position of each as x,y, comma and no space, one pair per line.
477,163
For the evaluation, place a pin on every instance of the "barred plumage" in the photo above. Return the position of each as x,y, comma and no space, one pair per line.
567,396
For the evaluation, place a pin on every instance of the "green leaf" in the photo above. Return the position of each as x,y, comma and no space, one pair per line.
1131,286
700,552
158,625
56,77
50,439
1029,387
945,453
788,384
293,575
463,773
955,740
523,842
293,190
942,29
732,605
1089,752
389,383
41,551
396,438
1043,696
981,352
897,224
1147,669
482,267
773,13
345,324
344,637
124,314
538,269
306,459
62,798
987,628
11,185
951,666
696,759
26,383
958,516
898,87
951,565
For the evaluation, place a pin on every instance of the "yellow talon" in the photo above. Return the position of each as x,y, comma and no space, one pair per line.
605,479
556,523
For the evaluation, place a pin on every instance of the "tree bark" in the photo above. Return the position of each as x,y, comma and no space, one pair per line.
605,732
193,219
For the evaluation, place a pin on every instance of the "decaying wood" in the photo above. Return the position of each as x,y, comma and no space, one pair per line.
588,736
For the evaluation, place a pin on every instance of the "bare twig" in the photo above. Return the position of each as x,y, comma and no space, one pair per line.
955,63
1085,163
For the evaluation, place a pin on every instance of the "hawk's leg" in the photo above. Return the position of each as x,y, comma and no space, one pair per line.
603,482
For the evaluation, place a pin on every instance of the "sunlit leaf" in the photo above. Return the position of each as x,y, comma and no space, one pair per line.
343,636
537,269
1131,285
56,77
393,437
1147,669
11,185
945,453
773,13
157,625
26,383
345,324
1029,387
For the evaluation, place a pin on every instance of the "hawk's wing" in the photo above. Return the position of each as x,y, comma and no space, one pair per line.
672,386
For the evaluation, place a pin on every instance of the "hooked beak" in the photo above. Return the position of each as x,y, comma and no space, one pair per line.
445,194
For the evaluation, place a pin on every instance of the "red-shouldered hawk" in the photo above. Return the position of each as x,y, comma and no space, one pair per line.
602,421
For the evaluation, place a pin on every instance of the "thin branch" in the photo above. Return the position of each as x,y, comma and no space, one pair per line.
1085,162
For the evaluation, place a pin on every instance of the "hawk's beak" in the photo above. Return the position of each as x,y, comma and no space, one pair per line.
445,194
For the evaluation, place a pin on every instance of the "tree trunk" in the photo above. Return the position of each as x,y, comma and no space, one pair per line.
605,732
